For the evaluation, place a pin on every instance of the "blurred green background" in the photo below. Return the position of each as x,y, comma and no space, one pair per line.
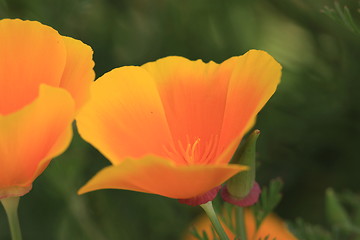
310,128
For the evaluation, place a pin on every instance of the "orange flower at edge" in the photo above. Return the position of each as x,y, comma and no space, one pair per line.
272,226
44,80
170,127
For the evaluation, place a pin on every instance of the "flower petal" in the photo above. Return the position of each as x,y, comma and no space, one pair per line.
273,227
30,137
253,81
155,175
78,73
207,101
125,116
31,54
193,95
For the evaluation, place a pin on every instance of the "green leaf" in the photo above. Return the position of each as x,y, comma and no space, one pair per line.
227,216
196,234
306,231
269,199
342,15
352,200
335,212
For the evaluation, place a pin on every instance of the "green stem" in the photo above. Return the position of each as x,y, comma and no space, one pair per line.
240,223
209,209
11,208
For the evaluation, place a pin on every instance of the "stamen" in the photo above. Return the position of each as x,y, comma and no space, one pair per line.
193,153
174,154
210,150
192,156
183,151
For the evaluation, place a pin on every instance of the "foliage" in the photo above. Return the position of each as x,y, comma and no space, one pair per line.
204,235
342,16
342,223
306,231
269,199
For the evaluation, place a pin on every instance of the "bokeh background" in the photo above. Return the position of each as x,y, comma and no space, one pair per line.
310,128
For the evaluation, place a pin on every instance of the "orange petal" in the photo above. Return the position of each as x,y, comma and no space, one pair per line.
155,175
274,227
193,97
31,54
203,224
125,117
253,81
78,73
30,137
208,101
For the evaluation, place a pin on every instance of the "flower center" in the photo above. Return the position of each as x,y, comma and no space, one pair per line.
194,151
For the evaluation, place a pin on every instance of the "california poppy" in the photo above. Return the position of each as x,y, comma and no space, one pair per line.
272,226
170,127
45,79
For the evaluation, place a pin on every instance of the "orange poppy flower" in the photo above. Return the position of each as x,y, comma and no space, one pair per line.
44,80
272,226
170,127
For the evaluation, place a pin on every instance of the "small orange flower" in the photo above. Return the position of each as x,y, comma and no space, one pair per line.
272,226
44,80
170,127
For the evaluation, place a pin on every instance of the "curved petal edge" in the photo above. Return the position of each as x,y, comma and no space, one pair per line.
160,176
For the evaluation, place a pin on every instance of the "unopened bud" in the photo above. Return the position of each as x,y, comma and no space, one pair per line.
242,185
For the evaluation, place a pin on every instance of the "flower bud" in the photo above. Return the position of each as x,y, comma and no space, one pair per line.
242,189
